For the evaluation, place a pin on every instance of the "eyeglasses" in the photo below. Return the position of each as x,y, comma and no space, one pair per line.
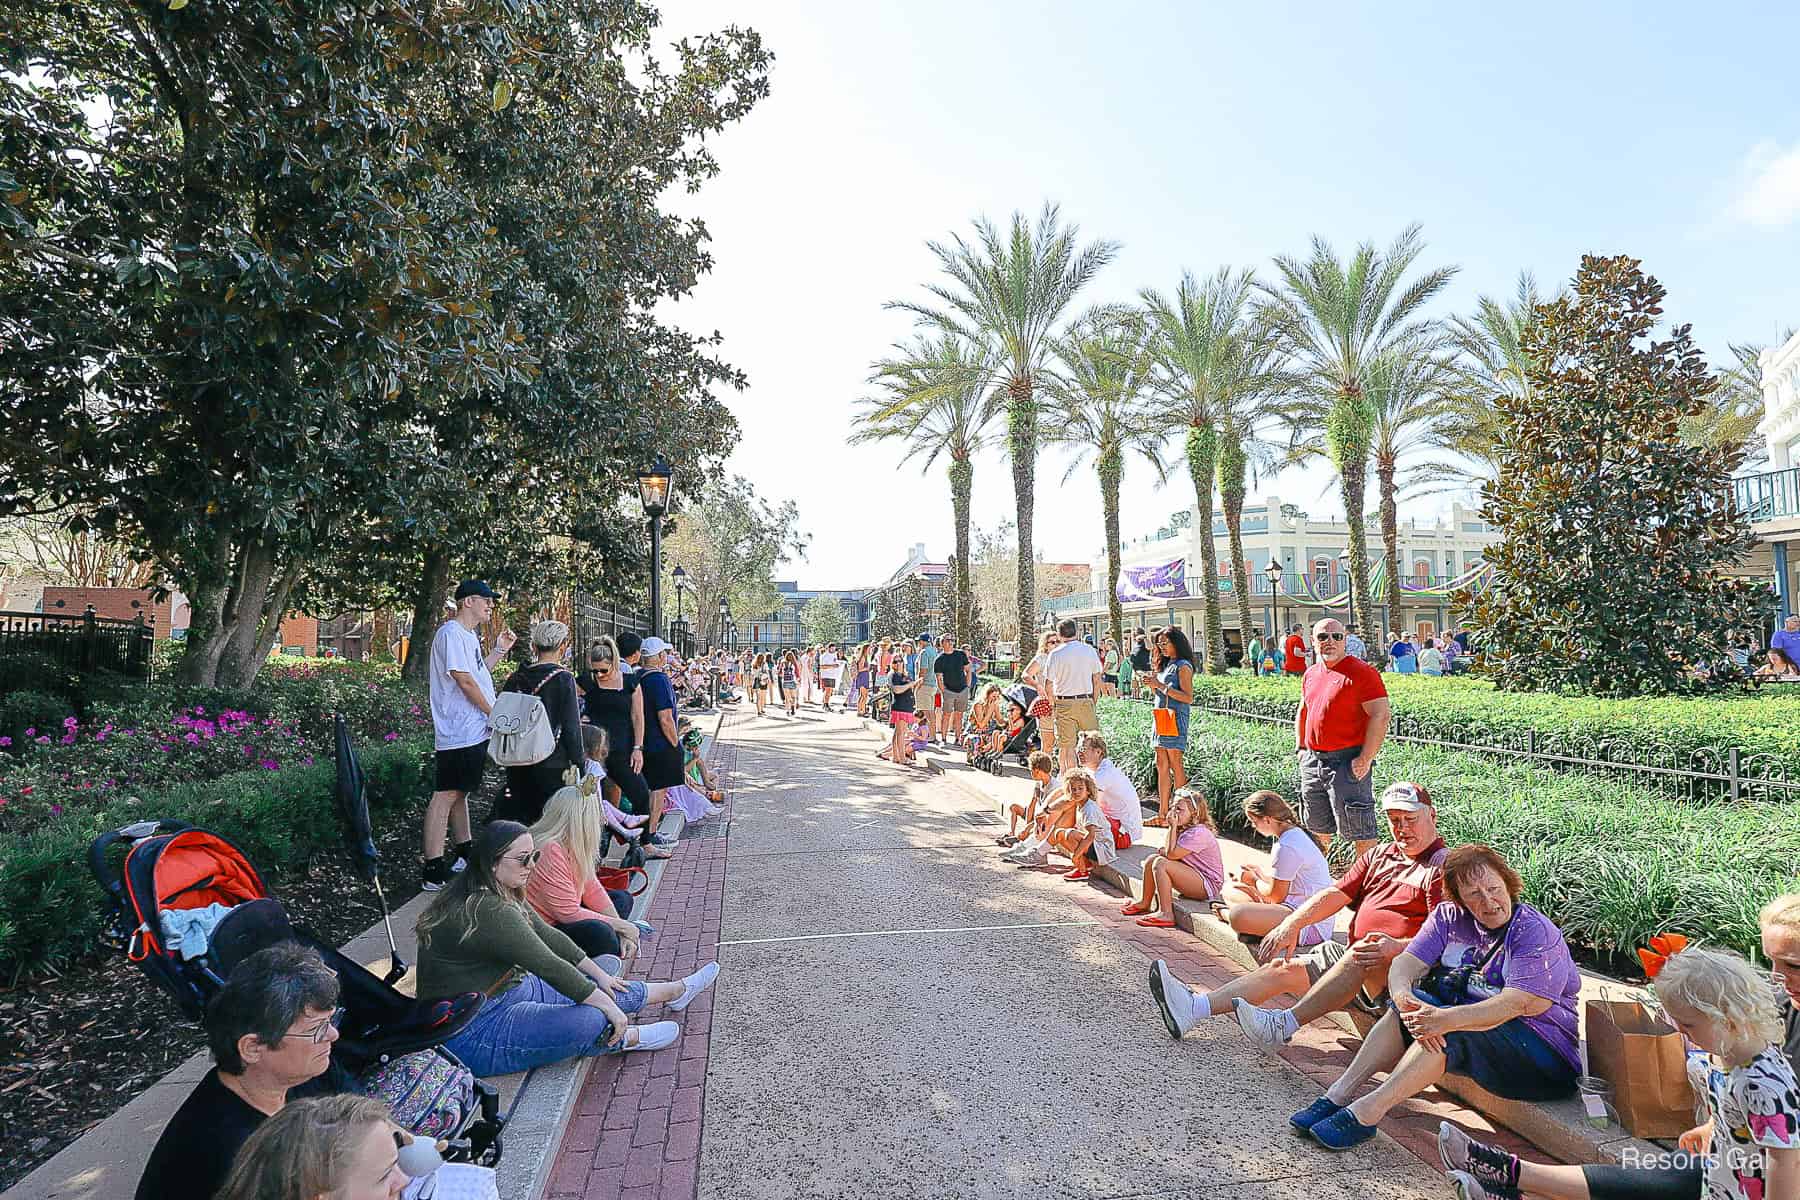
1328,637
526,860
322,1030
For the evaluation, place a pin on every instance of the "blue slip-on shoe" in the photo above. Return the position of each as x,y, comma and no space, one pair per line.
1312,1114
1340,1131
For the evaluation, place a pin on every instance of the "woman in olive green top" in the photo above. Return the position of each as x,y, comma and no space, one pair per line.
547,1000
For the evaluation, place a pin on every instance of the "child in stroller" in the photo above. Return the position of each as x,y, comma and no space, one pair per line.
1017,738
187,906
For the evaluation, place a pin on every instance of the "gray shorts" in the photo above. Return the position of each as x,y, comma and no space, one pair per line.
955,702
1334,800
1321,958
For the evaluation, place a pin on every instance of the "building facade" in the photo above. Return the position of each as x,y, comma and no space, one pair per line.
1160,581
782,629
1771,498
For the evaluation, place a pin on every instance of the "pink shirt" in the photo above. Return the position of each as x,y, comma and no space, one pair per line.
558,897
1202,846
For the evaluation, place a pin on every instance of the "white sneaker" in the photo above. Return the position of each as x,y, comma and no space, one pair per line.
1172,998
1033,858
658,1035
1264,1026
693,985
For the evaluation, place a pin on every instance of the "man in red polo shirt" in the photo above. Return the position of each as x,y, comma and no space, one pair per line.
1338,729
1392,888
1293,653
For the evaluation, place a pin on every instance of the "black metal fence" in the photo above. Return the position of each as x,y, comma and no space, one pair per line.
593,618
80,643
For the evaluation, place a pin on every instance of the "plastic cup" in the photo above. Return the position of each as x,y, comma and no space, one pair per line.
1596,1101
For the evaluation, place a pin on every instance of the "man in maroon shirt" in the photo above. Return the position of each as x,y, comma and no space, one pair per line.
1338,729
1392,888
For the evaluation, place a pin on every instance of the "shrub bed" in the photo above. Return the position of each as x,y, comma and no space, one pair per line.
1668,731
1611,864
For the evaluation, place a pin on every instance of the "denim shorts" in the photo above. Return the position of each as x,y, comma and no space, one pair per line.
532,1024
1510,1060
1334,800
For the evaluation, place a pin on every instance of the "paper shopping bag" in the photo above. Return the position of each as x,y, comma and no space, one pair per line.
1164,719
1643,1058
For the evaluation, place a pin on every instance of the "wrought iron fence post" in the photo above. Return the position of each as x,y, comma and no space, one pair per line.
90,637
1731,769
1531,743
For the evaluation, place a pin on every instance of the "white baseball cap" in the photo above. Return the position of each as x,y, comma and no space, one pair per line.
1406,797
653,645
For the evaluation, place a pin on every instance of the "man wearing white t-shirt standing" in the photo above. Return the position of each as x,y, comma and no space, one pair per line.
1072,678
829,666
1118,798
462,695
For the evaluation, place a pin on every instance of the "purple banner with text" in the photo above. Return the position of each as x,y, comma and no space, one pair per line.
1155,582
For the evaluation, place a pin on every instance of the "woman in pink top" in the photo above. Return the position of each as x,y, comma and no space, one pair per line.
1189,862
562,887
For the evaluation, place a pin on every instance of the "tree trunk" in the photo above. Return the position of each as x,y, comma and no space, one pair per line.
226,622
1111,469
962,488
1231,492
1203,465
1390,541
1022,434
247,652
1355,477
428,614
381,636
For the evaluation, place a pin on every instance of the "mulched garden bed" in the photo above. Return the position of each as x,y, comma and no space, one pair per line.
78,1045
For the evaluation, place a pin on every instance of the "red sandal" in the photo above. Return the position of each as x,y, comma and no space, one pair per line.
1157,922
1077,875
1134,908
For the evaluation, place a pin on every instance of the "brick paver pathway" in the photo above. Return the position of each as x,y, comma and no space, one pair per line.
635,1132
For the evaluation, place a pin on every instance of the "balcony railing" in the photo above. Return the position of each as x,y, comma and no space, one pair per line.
1770,496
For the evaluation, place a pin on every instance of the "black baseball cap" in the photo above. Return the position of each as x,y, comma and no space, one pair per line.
475,587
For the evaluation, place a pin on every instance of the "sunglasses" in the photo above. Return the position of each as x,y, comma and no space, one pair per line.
527,860
1328,637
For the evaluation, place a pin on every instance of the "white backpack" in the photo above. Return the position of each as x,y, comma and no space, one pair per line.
522,735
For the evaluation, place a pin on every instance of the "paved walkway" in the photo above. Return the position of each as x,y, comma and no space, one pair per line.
902,1015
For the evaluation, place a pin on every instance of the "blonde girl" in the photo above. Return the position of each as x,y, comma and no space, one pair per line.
562,887
1089,839
1189,862
1260,898
762,682
1750,1144
343,1147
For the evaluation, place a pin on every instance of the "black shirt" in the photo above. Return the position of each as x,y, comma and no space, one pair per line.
1140,658
195,1151
562,704
954,668
903,701
610,709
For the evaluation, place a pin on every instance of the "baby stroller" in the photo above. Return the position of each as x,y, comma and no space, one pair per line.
1020,742
389,1044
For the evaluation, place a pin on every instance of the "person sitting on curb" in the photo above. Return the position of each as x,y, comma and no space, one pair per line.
1189,862
270,1030
984,719
1118,798
1088,841
1263,897
1478,1171
1486,989
1043,778
1059,811
547,1000
562,887
335,1147
1391,889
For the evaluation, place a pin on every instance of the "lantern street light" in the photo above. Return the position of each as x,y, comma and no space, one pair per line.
1273,574
654,486
681,584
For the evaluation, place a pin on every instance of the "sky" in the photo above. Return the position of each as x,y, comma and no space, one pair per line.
1199,135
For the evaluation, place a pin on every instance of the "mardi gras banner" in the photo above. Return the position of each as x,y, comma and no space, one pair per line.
1157,582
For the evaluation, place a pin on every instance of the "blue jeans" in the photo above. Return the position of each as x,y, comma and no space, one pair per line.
532,1024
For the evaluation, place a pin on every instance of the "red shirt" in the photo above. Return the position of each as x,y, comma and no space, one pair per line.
1293,654
1392,893
1333,698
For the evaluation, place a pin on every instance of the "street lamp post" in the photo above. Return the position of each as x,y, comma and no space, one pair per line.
654,485
1273,574
680,587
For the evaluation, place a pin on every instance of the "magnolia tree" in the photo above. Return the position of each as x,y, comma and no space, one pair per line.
1617,533
825,621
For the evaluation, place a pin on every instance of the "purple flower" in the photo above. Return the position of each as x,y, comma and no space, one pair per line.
192,739
391,737
31,733
68,739
101,736
55,809
269,764
5,741
70,722
42,741
198,711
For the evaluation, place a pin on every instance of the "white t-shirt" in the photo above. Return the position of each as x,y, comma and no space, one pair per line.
1118,799
828,666
456,721
1094,819
1071,668
1297,860
1431,659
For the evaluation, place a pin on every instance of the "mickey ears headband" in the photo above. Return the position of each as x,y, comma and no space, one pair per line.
1662,948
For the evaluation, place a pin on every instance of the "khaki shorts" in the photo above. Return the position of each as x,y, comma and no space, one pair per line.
1070,717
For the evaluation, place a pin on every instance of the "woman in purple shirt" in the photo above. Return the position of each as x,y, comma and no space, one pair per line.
1486,988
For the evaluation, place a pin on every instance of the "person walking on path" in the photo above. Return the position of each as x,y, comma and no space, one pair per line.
925,695
790,682
955,687
1173,686
1293,653
462,695
528,787
1072,677
829,667
1338,730
901,714
1254,652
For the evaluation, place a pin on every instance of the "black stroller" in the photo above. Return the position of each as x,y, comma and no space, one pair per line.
1021,741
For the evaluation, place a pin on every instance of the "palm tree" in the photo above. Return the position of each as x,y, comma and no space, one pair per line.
1006,293
1339,321
1206,357
932,396
1244,451
1491,361
1735,409
1096,404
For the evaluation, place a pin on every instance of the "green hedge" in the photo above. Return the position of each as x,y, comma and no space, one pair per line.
1611,864
1665,731
51,909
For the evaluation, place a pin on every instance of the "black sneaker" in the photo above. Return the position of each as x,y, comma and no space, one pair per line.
434,874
